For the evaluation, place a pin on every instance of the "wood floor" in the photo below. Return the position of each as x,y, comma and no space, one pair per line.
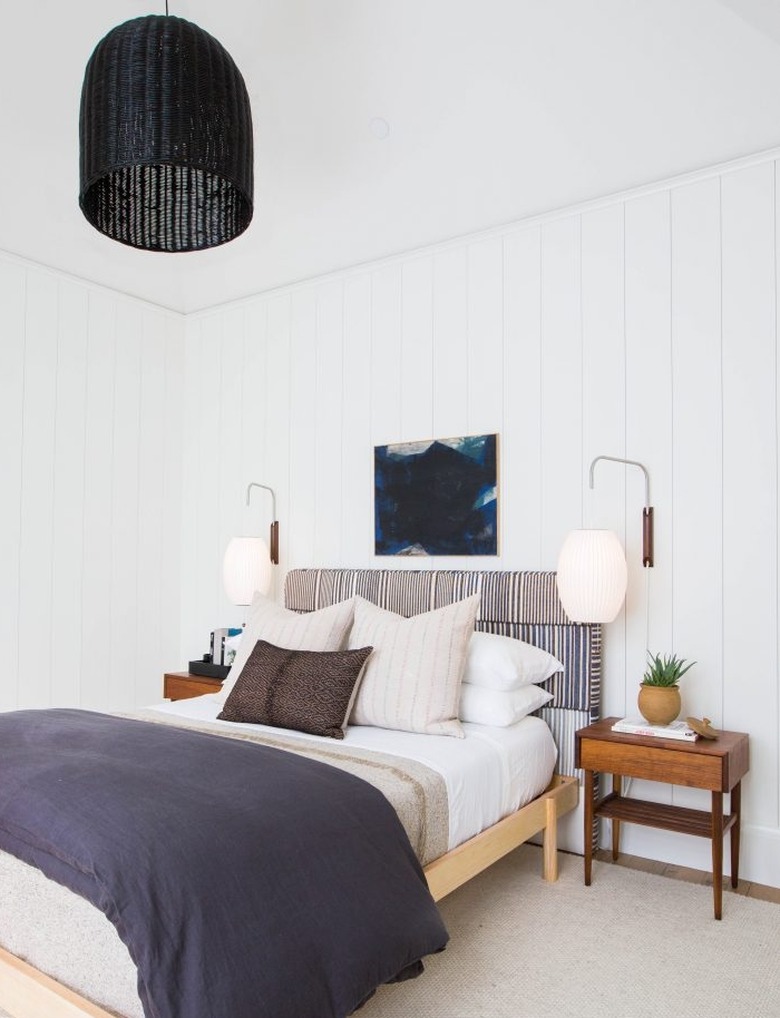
635,862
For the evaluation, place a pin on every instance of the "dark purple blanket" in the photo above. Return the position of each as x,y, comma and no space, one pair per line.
245,881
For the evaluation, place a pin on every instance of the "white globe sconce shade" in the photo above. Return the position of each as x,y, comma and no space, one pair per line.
246,568
592,575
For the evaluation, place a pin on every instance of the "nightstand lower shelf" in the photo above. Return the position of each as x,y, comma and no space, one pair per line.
679,819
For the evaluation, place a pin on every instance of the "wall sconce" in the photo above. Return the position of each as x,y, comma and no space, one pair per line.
647,512
246,566
592,575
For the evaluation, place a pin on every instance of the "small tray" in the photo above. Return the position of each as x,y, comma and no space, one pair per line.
207,668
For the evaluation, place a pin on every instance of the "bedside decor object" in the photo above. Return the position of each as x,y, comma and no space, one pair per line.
437,497
592,575
703,728
639,726
166,148
659,693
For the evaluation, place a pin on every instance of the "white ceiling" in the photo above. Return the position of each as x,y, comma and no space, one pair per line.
497,110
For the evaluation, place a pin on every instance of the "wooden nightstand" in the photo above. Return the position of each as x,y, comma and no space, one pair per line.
718,766
183,685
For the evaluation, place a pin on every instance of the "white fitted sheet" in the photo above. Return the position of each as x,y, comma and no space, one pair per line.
489,774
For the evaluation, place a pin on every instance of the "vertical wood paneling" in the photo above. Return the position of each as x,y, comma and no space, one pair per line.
561,403
648,395
206,555
37,496
450,341
192,636
98,503
166,627
386,383
153,613
277,437
521,431
13,283
649,437
231,431
255,518
357,502
749,475
304,409
385,354
698,442
254,376
417,350
485,336
82,524
604,409
486,358
329,409
776,689
68,509
125,506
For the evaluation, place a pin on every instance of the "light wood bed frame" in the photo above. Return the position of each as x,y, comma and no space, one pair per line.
26,992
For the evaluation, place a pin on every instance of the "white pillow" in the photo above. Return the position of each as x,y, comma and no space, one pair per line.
501,662
325,629
492,707
412,679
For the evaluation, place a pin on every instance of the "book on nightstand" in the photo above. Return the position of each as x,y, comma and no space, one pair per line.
638,726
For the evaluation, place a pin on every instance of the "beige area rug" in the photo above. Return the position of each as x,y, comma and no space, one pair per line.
631,945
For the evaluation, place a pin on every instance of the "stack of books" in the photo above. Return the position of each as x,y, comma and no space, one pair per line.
638,726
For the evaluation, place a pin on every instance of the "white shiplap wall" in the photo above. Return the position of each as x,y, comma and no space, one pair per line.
642,326
90,506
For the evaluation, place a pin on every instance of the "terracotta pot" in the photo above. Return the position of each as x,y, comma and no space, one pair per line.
659,705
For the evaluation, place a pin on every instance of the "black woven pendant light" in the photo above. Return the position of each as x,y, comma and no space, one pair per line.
166,138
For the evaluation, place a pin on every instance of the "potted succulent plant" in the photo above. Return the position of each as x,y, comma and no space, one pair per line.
659,694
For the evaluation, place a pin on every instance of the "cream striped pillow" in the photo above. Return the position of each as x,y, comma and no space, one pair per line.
412,679
325,629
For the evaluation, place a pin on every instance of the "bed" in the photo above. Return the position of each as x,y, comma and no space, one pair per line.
523,605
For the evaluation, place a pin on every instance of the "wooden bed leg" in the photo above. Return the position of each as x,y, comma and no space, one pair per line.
550,837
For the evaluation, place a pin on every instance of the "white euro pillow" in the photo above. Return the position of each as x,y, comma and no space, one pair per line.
503,663
325,629
412,680
493,707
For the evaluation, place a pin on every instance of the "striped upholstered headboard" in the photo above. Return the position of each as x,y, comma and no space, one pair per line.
523,605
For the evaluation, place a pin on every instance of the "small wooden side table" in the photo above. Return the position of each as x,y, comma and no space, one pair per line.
184,685
718,766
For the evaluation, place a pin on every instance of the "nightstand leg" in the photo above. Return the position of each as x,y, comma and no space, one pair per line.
588,839
617,787
736,809
717,852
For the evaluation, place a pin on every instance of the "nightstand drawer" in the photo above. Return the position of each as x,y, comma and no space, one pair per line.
678,767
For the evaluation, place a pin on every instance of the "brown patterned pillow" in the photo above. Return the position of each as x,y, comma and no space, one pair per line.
310,691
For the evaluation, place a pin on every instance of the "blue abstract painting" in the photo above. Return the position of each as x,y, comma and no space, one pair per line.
438,497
